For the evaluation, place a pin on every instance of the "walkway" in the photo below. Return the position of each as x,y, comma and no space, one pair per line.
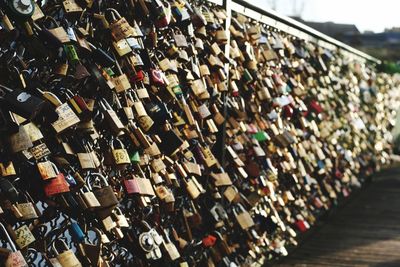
365,232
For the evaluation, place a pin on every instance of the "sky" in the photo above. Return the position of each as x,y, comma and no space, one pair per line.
365,14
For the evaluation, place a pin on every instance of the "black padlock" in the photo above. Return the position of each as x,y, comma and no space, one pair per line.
101,57
21,102
8,190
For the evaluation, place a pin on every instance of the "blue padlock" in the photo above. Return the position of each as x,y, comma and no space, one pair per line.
77,233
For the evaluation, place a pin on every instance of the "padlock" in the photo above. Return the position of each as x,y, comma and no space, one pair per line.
191,187
150,241
111,117
67,257
71,53
56,186
76,232
192,215
121,220
23,236
179,38
47,169
19,141
101,57
56,36
89,198
104,194
157,76
197,17
21,102
92,251
243,217
119,27
66,117
131,186
169,247
79,105
27,208
119,153
15,257
162,13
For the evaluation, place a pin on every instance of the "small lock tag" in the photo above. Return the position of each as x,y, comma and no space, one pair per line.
121,156
7,169
109,223
46,170
209,157
67,118
24,237
40,151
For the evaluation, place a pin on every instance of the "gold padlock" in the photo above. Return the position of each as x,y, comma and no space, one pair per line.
67,258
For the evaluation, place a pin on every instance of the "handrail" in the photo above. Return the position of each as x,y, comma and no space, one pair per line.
296,28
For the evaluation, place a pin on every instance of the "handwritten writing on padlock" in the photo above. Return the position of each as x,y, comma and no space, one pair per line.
24,236
119,153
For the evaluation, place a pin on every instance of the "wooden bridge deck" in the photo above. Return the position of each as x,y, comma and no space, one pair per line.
365,232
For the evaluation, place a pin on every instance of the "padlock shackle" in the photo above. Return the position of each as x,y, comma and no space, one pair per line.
50,18
50,97
60,240
8,89
95,174
98,234
54,167
116,139
13,247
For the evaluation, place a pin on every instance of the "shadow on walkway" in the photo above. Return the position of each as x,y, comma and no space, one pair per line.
366,232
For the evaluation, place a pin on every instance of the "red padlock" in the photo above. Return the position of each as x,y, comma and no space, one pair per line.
156,76
302,225
209,241
131,186
56,185
137,77
314,106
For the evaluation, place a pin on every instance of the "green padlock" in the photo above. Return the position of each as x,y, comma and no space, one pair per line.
135,158
261,136
71,53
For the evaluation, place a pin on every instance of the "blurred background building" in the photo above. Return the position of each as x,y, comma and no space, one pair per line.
371,27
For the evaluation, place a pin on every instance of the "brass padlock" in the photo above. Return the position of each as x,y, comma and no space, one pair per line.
67,257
